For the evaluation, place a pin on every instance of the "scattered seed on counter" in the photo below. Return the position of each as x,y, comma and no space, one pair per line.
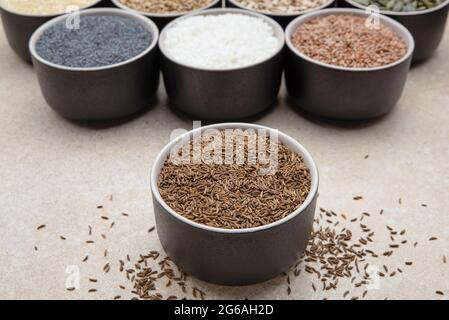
152,276
335,257
344,40
151,272
281,6
42,226
44,7
401,5
101,40
220,41
166,6
235,196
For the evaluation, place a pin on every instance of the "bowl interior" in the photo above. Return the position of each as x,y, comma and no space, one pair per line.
285,139
398,28
46,15
277,29
279,14
163,15
396,13
147,23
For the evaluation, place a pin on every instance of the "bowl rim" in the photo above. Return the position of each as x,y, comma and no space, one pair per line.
163,15
161,157
96,11
398,28
277,29
400,13
52,15
278,14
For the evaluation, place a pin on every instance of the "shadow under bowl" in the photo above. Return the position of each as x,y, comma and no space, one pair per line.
234,257
19,27
223,94
100,93
341,93
426,26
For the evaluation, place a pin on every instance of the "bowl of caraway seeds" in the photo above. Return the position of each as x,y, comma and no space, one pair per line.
283,11
105,67
346,64
222,64
234,203
425,19
22,17
163,12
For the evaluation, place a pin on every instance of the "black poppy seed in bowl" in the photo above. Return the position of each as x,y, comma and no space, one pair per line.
100,40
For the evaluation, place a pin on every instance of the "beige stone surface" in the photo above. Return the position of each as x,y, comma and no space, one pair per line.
56,173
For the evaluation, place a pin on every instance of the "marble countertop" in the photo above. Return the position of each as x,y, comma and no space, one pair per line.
67,176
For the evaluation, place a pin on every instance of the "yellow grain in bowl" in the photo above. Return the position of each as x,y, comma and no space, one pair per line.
44,7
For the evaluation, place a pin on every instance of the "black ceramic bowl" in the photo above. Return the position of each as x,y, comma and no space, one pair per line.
101,93
223,94
234,256
282,18
162,20
345,93
426,26
19,27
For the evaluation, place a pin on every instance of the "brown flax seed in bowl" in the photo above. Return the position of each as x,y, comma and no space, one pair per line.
349,41
235,195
